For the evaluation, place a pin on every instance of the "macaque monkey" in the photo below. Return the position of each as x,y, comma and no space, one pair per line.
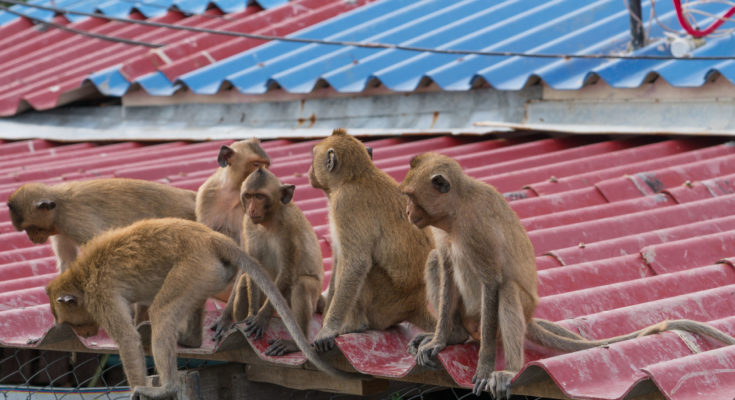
377,278
218,199
72,213
481,278
276,233
172,265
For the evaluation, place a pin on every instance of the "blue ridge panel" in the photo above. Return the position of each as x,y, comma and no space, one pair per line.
110,82
560,26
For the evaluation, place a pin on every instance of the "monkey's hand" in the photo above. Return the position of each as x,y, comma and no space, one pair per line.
280,347
221,326
427,352
497,383
255,326
324,340
154,392
418,341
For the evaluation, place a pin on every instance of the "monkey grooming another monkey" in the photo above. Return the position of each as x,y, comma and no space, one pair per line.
377,278
276,234
482,276
172,265
72,213
218,199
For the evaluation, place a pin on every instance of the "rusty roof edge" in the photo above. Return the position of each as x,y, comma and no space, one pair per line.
592,129
667,116
22,131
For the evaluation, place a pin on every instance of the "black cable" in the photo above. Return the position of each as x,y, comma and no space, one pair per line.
85,33
370,45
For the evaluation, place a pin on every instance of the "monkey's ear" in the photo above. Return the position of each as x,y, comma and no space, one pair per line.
67,299
45,205
331,160
287,193
370,151
440,183
223,158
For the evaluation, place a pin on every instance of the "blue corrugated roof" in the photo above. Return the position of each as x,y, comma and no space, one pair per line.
561,26
123,8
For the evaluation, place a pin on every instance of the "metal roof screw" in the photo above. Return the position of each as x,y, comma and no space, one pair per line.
553,179
689,184
581,245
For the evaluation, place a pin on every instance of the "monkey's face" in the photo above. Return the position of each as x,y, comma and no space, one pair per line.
244,156
416,214
257,206
67,308
427,190
32,211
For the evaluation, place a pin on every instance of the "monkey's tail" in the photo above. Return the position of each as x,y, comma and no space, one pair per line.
248,265
555,336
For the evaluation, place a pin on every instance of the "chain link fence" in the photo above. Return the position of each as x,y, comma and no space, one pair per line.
45,374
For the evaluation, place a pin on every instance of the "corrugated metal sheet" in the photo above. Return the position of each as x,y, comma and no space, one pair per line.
115,8
627,233
44,68
203,63
566,27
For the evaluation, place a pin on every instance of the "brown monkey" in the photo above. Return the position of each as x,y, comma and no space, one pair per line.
72,213
153,262
276,233
482,277
378,254
218,199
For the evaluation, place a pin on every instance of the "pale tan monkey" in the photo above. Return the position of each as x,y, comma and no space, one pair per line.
172,265
276,233
72,213
218,199
481,278
377,279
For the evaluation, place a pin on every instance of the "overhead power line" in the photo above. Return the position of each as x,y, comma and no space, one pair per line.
388,46
80,32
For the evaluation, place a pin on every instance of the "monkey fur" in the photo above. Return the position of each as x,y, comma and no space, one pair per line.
481,278
278,235
377,277
72,213
172,265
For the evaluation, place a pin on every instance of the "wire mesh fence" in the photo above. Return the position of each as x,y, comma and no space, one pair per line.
44,374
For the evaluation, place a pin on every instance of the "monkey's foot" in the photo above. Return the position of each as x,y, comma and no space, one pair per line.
220,327
255,327
154,392
427,352
280,347
497,383
324,340
418,341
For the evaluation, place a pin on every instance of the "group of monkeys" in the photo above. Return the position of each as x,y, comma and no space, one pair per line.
440,250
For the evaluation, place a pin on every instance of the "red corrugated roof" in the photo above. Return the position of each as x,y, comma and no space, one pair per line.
44,68
627,232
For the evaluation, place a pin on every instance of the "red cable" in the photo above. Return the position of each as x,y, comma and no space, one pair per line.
700,32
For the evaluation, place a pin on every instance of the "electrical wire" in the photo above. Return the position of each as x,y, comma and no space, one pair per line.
363,44
694,31
85,33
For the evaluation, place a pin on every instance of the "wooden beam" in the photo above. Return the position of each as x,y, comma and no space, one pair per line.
304,379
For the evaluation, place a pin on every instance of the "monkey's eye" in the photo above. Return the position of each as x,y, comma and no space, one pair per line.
260,196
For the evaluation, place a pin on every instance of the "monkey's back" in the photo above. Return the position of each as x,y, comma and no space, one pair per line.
137,259
219,207
119,202
370,213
